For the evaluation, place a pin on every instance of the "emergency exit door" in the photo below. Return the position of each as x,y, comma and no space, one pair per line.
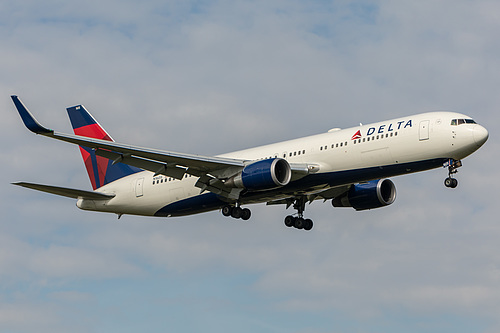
139,187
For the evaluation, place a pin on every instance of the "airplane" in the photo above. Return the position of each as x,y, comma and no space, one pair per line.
347,166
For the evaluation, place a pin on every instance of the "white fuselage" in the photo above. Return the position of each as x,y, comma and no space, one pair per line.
397,146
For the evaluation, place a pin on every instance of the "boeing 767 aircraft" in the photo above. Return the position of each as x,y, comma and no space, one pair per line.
347,166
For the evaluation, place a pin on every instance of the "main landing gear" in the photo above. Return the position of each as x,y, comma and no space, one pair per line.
236,212
298,221
452,165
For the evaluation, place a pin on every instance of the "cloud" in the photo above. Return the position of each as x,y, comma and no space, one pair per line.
213,77
26,317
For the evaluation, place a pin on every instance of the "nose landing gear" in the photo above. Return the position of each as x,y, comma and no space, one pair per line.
452,165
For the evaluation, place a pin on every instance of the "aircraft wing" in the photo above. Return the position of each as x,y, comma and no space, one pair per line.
204,163
168,163
209,169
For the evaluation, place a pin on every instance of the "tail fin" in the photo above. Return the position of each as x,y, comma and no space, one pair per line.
101,170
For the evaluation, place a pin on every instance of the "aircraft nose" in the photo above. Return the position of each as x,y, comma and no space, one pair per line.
480,135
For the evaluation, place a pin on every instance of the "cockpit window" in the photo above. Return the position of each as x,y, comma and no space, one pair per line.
455,122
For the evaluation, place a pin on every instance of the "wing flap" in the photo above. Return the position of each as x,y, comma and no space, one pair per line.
153,166
66,192
329,193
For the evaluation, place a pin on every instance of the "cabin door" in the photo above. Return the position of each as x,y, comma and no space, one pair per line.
424,130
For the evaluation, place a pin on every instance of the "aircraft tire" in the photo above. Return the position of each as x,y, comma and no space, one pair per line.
308,224
245,214
289,221
226,210
447,182
450,182
299,223
236,212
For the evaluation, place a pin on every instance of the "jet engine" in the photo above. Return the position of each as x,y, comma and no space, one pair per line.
369,195
262,175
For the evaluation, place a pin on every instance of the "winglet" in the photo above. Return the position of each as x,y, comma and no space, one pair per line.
29,121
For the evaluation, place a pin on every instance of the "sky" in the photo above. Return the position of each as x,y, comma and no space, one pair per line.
209,77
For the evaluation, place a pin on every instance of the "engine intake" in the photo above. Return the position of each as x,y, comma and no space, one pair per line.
262,175
373,194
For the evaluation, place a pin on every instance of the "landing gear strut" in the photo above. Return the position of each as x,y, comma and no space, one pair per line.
299,222
236,212
452,165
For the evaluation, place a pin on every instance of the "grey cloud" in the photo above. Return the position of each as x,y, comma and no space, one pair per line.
215,77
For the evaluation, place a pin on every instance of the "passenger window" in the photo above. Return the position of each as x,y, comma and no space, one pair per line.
341,144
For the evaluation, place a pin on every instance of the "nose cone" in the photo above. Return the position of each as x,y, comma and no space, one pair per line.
480,135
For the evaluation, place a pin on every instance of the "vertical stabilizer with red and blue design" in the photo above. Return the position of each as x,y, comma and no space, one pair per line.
101,170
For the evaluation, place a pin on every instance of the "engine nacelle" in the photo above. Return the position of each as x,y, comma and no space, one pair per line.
262,175
373,194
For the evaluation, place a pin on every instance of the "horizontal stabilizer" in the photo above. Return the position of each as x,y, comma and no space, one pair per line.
67,192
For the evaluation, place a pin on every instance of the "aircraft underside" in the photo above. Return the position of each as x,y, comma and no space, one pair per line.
296,194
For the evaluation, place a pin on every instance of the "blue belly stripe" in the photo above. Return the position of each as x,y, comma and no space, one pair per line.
210,201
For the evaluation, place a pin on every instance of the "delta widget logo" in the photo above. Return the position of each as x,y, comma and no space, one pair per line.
357,135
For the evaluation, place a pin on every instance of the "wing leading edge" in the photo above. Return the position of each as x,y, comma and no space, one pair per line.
167,163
